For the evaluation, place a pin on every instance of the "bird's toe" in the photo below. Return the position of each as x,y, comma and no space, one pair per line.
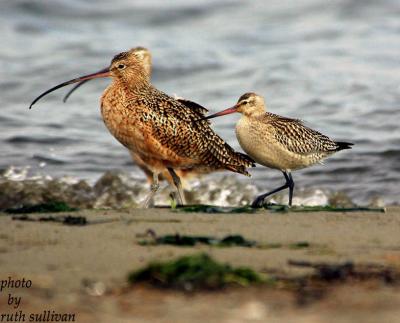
258,202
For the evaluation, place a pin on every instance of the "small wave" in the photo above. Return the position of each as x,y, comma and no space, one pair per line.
391,153
357,169
48,160
53,126
38,140
166,72
14,174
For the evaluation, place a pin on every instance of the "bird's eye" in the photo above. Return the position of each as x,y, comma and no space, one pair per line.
121,66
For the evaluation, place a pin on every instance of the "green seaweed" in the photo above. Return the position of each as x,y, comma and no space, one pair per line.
327,208
228,241
43,208
236,240
215,209
194,272
299,245
67,220
190,241
278,208
294,245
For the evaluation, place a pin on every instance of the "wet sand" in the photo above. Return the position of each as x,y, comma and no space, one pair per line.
83,269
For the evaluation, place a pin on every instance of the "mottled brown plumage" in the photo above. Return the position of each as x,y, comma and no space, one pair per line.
144,57
278,142
156,127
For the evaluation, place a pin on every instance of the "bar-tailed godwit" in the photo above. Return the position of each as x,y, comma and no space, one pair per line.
156,127
278,142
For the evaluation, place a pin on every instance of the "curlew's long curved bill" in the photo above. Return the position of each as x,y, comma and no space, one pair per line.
102,73
221,113
80,84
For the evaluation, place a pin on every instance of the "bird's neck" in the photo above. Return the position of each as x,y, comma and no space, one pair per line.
253,114
135,83
245,119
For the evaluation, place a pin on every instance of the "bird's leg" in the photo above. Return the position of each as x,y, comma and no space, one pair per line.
289,184
291,187
153,189
178,185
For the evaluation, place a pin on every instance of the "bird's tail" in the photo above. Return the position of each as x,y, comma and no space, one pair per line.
239,162
220,155
343,145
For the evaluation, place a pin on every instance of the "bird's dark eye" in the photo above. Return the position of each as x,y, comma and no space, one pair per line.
121,66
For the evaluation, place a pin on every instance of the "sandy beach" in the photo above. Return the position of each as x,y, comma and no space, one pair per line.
83,269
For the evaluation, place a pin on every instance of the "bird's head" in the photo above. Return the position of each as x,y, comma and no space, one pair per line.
131,66
249,104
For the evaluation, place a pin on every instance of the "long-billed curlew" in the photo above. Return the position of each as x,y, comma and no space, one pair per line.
159,129
145,58
278,142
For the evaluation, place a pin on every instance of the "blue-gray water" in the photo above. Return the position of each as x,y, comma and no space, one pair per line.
335,64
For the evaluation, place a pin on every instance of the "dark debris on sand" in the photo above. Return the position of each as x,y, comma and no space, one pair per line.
190,241
314,286
67,219
50,207
194,272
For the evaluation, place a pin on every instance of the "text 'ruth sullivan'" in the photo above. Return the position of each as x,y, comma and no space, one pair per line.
45,316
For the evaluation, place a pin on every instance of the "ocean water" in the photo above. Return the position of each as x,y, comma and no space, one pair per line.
334,64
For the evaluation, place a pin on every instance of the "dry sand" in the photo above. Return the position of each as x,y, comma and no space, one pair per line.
71,266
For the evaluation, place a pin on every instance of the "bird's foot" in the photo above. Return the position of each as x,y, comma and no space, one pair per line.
146,203
258,202
176,200
181,199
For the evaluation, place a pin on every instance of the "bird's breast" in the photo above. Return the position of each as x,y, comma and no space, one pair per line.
146,132
254,140
123,123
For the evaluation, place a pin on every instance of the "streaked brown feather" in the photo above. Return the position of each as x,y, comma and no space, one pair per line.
172,135
297,137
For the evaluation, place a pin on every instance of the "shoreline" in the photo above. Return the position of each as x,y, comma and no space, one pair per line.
117,189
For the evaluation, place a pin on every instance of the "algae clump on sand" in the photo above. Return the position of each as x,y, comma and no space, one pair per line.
54,206
194,272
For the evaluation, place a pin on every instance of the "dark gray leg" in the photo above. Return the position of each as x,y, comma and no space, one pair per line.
291,188
178,185
258,202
